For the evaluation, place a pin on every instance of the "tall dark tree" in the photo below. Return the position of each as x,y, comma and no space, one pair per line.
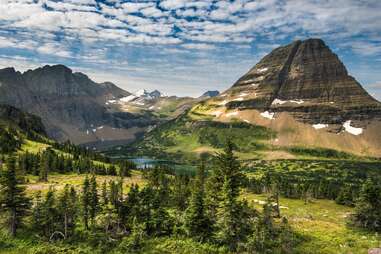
86,202
44,167
13,200
94,200
67,207
197,223
368,207
232,221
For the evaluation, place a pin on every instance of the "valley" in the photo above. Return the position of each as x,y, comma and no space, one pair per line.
286,160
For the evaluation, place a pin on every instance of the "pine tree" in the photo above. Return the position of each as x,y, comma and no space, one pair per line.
86,202
368,206
13,200
94,201
104,194
44,167
197,223
124,170
67,207
50,212
231,224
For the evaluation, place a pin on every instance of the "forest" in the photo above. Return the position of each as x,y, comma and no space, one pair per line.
207,211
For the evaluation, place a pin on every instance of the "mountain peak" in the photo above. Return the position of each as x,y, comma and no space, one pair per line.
210,94
309,73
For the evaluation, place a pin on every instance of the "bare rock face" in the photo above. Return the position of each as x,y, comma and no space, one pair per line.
67,102
307,80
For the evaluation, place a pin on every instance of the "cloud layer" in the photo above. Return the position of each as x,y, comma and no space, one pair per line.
147,39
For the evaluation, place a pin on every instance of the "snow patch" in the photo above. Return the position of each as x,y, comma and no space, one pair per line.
278,101
319,126
152,107
268,115
112,101
259,78
140,92
231,114
261,70
127,98
246,121
352,130
100,127
87,132
255,84
243,94
238,99
94,130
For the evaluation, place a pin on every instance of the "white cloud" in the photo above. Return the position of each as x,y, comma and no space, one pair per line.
201,46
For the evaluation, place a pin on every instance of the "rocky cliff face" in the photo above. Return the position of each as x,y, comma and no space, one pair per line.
307,80
70,104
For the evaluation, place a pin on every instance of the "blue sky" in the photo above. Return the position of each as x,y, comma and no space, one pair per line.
184,47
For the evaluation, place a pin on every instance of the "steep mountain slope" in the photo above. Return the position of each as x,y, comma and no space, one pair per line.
155,103
303,92
71,105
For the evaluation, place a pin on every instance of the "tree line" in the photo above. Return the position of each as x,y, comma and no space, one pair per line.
206,208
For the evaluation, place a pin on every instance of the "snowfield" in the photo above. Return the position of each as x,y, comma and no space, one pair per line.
320,126
280,102
128,98
268,115
261,70
352,130
231,114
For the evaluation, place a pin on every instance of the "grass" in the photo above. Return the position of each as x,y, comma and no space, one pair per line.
58,181
33,146
322,225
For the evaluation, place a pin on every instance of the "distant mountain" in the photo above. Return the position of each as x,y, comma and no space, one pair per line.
210,94
301,93
71,105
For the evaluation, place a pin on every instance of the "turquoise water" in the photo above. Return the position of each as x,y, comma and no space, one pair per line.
146,163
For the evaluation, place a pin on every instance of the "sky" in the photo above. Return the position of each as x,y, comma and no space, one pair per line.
184,47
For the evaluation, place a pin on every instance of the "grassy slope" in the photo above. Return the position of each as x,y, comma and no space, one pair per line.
322,224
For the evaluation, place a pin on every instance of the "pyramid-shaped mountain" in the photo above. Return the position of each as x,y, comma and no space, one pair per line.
307,80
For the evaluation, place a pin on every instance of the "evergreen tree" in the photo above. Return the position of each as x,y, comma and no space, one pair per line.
231,221
86,202
124,169
368,206
50,213
197,223
67,207
104,194
13,201
94,201
44,167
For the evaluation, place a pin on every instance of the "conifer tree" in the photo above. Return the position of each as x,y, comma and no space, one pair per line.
104,194
68,209
230,223
94,201
13,201
44,167
368,206
86,202
197,223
